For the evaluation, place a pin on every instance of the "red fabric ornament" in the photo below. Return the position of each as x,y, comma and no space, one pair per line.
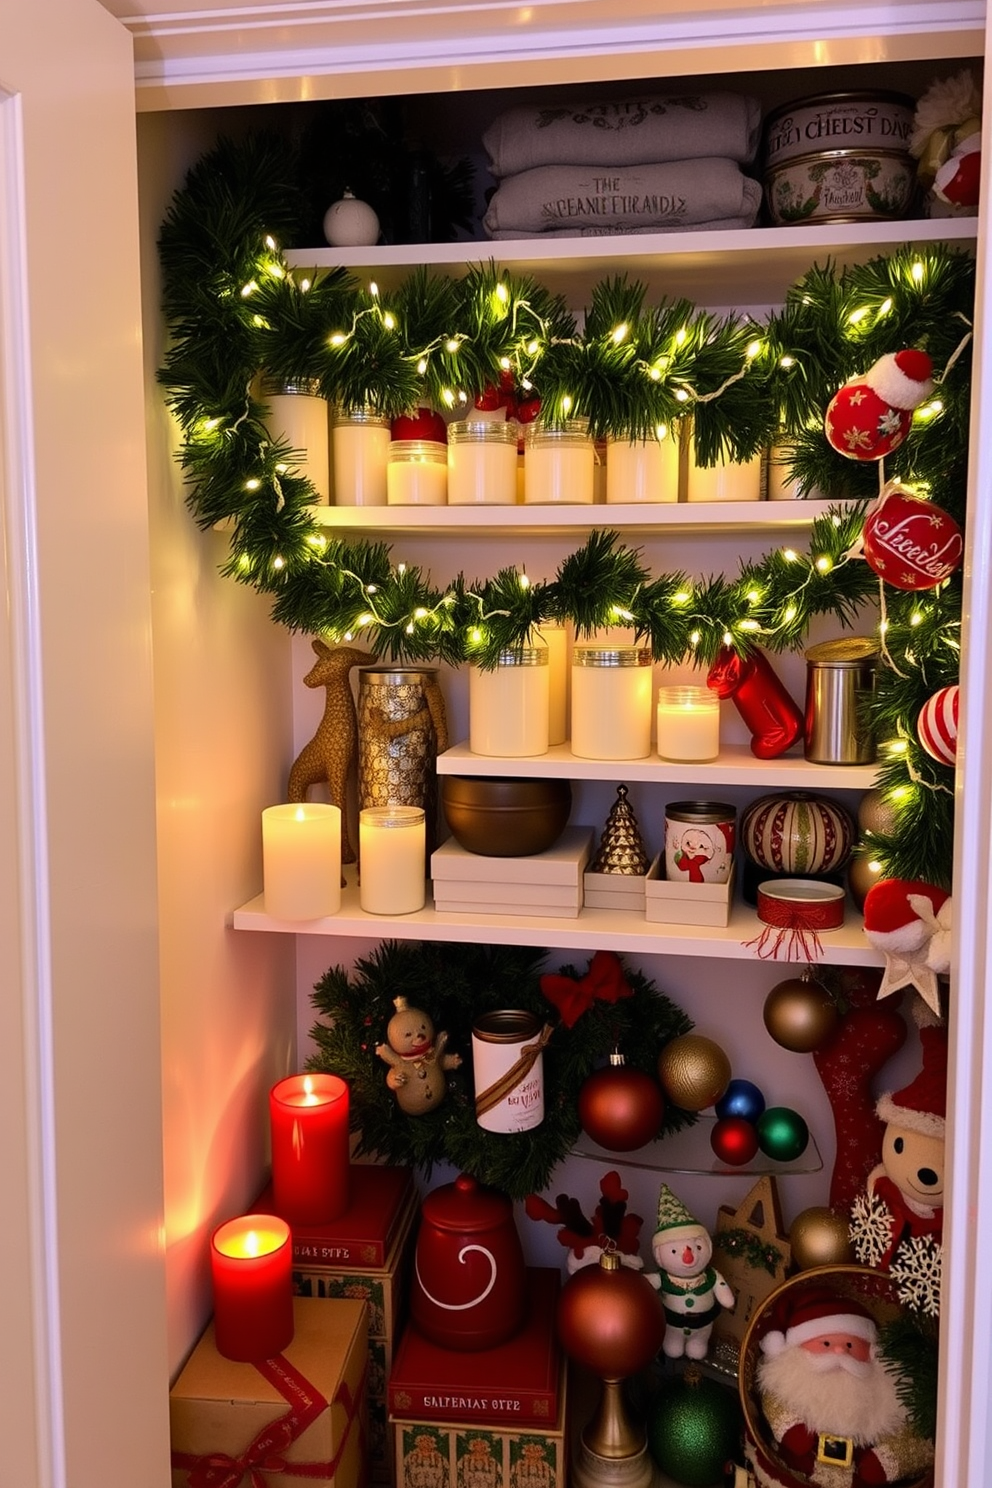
734,1140
870,416
937,725
603,982
957,180
910,923
505,396
585,1238
424,423
775,721
911,543
867,1037
621,1108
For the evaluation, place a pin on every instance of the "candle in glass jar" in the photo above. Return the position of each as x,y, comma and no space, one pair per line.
298,416
311,1161
611,702
725,481
559,464
643,470
301,860
509,705
251,1265
482,463
688,723
417,473
360,444
392,859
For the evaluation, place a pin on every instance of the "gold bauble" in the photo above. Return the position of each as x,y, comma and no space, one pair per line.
819,1236
863,871
876,814
694,1071
800,1015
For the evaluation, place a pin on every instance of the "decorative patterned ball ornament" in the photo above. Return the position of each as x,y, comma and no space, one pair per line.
782,1134
820,1236
800,1014
741,1098
350,223
734,1140
797,833
621,1108
911,543
610,1319
694,1072
694,1428
937,725
864,871
876,813
871,415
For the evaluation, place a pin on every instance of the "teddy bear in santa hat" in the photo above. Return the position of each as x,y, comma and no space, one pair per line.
829,1400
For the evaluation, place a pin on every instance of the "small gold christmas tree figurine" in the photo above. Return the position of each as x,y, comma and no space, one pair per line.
621,848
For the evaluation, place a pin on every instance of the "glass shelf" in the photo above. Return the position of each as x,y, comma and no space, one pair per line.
689,1151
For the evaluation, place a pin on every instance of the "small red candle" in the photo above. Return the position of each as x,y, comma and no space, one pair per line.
251,1261
311,1162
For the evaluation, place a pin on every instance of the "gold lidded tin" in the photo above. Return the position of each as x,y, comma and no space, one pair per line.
840,677
699,841
872,120
509,1070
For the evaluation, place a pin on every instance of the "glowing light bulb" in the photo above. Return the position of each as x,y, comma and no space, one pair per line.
787,361
502,293
451,345
422,366
248,289
753,350
337,338
619,334
505,363
681,395
364,619
373,289
790,555
824,564
916,272
253,484
271,243
389,321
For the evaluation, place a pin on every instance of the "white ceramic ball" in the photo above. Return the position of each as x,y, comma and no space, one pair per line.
350,223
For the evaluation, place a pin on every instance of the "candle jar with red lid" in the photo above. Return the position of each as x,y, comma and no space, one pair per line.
251,1261
309,1118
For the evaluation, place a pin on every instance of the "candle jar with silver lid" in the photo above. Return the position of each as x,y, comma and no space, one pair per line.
360,440
509,704
643,470
700,837
611,702
298,416
559,464
482,463
840,679
417,473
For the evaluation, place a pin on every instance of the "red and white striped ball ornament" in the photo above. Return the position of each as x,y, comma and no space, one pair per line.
870,416
937,725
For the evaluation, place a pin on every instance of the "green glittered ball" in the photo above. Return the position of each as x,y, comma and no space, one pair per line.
782,1134
694,1428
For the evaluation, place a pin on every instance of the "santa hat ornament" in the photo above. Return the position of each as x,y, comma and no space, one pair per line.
674,1219
921,1106
910,923
817,1312
870,416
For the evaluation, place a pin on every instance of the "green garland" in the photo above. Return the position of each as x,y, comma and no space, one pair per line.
235,310
453,984
757,1252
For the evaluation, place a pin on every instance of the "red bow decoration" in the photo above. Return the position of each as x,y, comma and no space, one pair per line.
610,1220
603,982
524,410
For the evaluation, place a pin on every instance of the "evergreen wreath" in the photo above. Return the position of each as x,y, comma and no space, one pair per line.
454,984
733,385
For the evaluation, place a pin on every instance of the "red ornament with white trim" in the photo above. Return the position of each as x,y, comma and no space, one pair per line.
909,542
937,725
870,416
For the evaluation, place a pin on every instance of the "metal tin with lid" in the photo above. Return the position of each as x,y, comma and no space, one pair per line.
840,679
870,119
699,841
611,702
508,1069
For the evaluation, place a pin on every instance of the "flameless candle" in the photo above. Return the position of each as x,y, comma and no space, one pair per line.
298,417
417,473
688,723
301,860
360,444
642,470
725,481
611,702
559,464
392,859
311,1165
482,463
251,1263
509,706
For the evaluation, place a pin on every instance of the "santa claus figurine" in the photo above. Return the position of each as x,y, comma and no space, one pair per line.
829,1400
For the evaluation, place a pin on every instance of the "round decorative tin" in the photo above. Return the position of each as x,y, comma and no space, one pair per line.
866,120
840,186
699,841
801,903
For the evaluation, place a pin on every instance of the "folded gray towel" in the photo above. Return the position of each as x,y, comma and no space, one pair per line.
632,131
606,231
681,193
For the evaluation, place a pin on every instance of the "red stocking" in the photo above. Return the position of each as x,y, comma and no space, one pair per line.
775,721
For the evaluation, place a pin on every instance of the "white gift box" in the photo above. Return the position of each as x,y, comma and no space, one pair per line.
679,902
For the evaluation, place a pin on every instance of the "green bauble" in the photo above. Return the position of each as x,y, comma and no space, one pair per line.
694,1429
782,1134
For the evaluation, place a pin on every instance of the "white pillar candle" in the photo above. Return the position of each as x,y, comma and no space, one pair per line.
611,702
417,473
725,481
360,444
298,416
559,464
509,706
392,859
482,463
301,860
555,637
688,723
643,470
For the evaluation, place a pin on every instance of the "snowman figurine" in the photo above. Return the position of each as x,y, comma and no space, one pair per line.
692,1291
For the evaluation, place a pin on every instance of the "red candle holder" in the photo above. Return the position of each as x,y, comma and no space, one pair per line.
311,1163
251,1262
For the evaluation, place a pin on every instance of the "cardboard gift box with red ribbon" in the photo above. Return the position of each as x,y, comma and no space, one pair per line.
300,1418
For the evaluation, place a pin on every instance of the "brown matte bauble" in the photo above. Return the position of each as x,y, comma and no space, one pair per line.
819,1236
876,814
800,1015
694,1072
610,1319
621,1108
863,871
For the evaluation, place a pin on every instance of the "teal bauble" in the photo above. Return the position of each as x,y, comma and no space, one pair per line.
694,1429
782,1134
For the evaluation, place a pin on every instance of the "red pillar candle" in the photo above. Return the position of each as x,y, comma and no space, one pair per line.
251,1261
310,1149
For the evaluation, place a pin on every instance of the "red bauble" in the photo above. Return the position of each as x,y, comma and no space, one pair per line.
937,725
610,1319
734,1140
424,423
870,416
621,1108
911,543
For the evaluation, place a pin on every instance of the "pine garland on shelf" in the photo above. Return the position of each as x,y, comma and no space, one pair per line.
454,984
733,385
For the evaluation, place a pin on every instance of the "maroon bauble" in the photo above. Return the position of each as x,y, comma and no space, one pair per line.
734,1140
621,1108
937,725
610,1319
911,543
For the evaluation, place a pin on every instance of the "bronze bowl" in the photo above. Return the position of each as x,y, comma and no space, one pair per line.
502,817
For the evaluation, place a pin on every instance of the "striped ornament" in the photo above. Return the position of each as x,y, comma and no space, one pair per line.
797,834
937,725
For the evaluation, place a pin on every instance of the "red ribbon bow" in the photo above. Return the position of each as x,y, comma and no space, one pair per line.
603,982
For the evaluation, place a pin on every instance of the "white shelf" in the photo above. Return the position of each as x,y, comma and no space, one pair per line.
689,1151
602,929
686,516
736,765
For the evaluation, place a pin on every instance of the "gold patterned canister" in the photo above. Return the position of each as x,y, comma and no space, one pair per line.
402,728
508,1068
